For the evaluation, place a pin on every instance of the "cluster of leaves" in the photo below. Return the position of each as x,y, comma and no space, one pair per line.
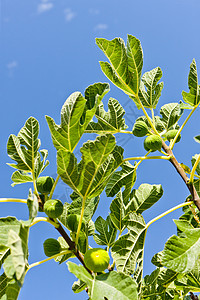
103,166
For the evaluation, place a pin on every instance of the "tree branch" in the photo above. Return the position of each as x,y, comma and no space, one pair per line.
179,169
193,297
72,246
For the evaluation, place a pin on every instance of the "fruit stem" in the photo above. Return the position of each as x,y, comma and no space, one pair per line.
167,212
46,259
147,116
152,114
194,169
40,219
13,200
80,221
182,126
149,157
54,186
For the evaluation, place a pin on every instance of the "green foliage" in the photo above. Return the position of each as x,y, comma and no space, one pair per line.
23,149
151,95
76,114
107,231
73,221
111,121
113,285
181,252
193,97
104,166
171,113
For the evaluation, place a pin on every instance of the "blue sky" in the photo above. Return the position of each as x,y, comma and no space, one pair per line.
48,51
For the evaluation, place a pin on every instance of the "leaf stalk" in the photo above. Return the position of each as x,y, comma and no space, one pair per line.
168,212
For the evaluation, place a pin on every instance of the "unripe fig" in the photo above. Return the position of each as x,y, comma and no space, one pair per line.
53,208
44,184
140,128
153,142
170,135
73,221
97,259
51,247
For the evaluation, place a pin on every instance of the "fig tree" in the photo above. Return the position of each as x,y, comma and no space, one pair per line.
53,208
51,247
44,184
153,142
170,135
96,259
140,128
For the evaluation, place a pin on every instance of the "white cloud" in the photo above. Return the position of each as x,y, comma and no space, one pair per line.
12,65
94,11
44,6
69,14
101,27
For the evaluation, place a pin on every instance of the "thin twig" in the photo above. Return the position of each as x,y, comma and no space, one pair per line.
179,169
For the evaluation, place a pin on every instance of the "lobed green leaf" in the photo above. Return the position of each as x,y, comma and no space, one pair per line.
76,114
107,231
193,97
113,285
111,121
181,252
125,65
150,96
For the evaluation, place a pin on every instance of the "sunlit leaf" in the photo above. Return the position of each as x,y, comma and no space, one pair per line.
126,177
125,65
149,288
113,285
78,286
23,149
193,97
171,113
127,251
111,121
9,288
118,211
150,96
89,178
191,280
19,177
17,253
76,114
107,231
144,197
89,209
181,252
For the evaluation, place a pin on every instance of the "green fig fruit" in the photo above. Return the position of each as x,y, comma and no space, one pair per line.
51,247
140,128
153,142
53,208
170,135
44,184
96,260
73,221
